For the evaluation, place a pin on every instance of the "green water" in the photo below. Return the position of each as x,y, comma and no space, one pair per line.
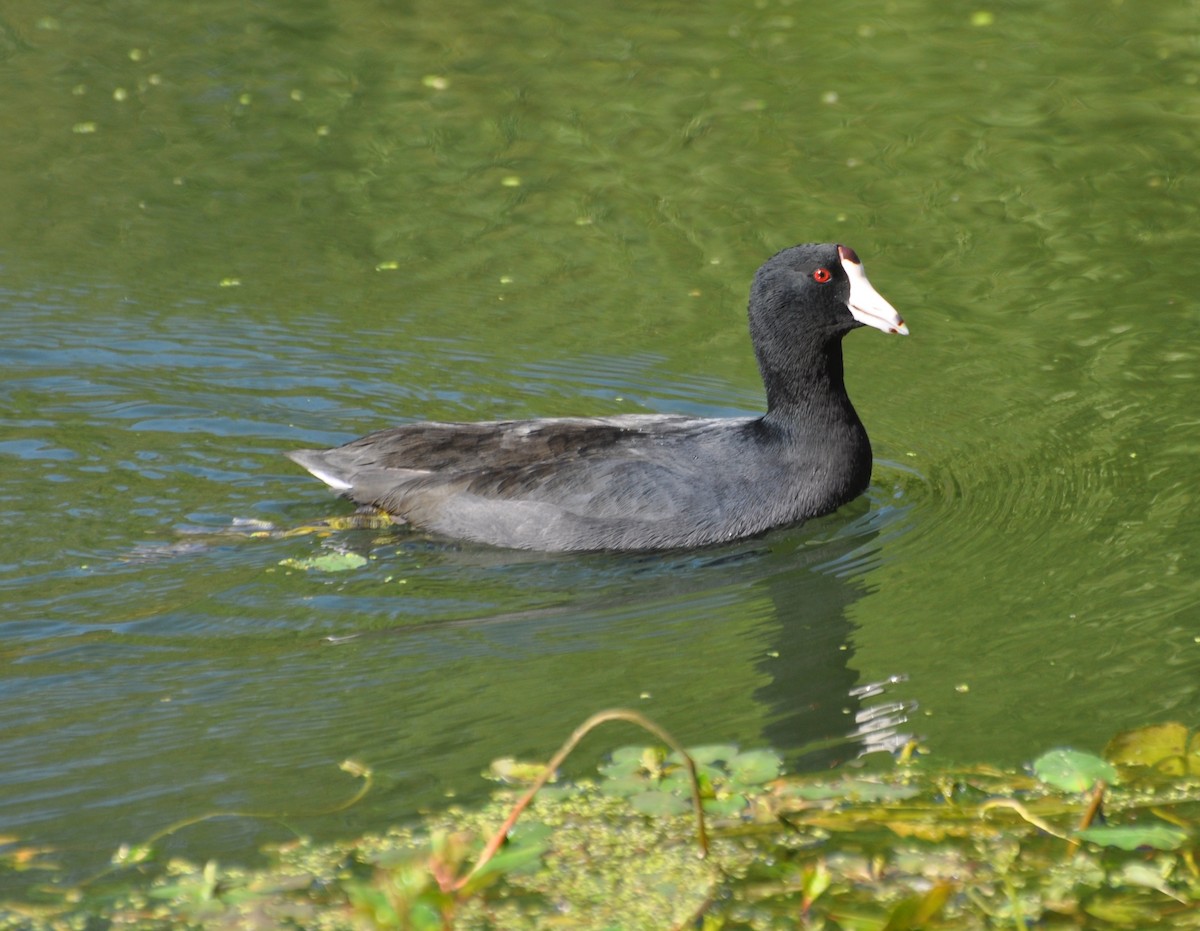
230,231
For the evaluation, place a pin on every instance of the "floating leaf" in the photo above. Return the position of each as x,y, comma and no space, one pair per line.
623,786
629,755
680,780
659,803
1072,770
726,807
1133,837
1163,746
708,754
626,761
755,767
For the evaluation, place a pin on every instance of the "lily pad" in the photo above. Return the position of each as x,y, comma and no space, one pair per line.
628,761
624,786
707,755
679,780
1072,770
629,754
727,806
755,767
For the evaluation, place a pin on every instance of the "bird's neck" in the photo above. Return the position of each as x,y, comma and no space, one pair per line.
808,387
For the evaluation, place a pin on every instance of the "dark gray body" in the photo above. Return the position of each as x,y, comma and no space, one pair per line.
633,482
639,482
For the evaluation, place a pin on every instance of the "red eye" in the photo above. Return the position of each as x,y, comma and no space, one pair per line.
821,275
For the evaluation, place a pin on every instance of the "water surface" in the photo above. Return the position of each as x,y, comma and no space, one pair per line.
236,231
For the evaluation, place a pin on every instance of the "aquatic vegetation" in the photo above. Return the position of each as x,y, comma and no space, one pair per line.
883,844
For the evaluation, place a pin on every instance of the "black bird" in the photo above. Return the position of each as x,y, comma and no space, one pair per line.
656,481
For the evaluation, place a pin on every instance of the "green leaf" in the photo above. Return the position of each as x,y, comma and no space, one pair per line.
725,807
1157,836
659,803
708,754
509,860
755,767
679,780
1121,911
1147,875
1072,770
624,786
916,912
627,761
1163,746
173,891
816,879
426,916
629,754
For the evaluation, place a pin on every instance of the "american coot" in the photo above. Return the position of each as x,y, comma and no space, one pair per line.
637,481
